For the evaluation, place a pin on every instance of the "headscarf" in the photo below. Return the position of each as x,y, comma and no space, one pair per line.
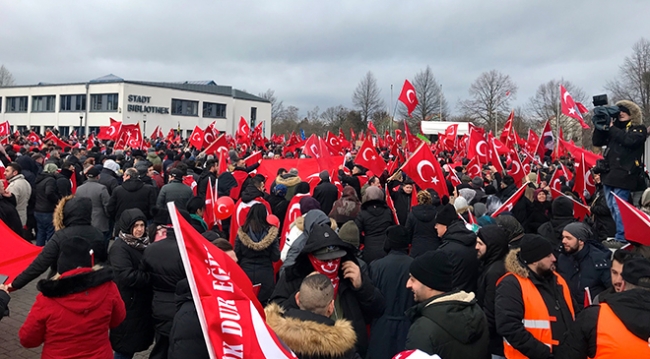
373,194
280,190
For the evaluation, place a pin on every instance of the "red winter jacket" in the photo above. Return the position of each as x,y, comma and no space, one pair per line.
73,314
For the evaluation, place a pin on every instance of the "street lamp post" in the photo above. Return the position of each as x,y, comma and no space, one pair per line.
81,122
144,122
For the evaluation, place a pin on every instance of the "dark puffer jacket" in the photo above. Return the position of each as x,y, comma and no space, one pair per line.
451,325
72,218
136,331
588,267
562,215
45,193
420,227
256,253
132,194
109,179
373,220
186,338
459,244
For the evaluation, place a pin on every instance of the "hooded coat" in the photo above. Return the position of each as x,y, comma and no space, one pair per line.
289,180
373,220
603,223
135,334
326,194
632,307
359,306
347,207
256,253
451,325
45,193
72,314
492,268
625,143
72,218
459,244
509,309
109,178
133,193
420,228
562,208
305,223
312,336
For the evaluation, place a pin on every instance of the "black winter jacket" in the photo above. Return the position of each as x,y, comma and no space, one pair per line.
451,325
373,220
420,227
72,218
136,331
360,306
109,179
352,181
45,193
586,268
602,222
186,338
133,193
256,253
326,194
63,182
202,184
459,244
9,215
279,206
401,200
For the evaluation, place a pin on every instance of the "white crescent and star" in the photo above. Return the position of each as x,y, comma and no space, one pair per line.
314,150
112,130
364,154
421,165
478,148
566,93
329,265
408,96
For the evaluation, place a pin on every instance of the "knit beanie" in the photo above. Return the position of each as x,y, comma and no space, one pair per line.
50,168
446,215
511,226
308,203
434,270
562,207
534,248
636,271
349,233
74,253
579,230
396,238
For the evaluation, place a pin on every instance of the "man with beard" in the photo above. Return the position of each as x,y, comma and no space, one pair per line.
584,263
533,307
620,257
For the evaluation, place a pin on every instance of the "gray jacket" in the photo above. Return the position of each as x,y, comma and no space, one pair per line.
174,191
19,187
98,194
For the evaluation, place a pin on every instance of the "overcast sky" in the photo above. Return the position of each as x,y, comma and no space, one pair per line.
313,53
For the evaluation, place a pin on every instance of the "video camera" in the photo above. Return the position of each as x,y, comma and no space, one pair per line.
603,114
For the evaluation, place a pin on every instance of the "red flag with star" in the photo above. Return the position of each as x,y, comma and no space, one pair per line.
425,170
408,97
243,131
196,138
511,202
369,158
569,107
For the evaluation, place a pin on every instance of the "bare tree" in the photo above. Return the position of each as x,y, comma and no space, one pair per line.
545,105
6,78
431,100
334,117
277,107
634,79
367,97
489,102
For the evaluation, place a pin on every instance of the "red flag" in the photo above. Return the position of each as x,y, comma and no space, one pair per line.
4,129
636,223
196,138
477,146
49,136
333,142
353,137
219,145
73,182
157,133
546,141
391,204
517,169
533,141
472,219
208,214
453,178
579,209
190,182
411,141
494,157
231,317
432,177
223,163
451,137
369,158
555,182
293,212
110,132
371,127
17,254
581,108
170,135
209,135
408,97
507,129
130,135
511,202
241,211
243,131
254,158
590,157
580,180
569,107
90,142
33,138
473,168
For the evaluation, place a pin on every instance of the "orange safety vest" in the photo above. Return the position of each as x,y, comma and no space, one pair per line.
613,340
536,318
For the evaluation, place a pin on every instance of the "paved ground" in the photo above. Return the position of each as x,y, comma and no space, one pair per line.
21,302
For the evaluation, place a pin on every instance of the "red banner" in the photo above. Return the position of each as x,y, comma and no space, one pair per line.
17,254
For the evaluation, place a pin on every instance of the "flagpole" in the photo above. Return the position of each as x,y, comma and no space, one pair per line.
390,126
557,124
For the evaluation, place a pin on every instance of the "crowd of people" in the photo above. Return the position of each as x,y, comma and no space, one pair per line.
367,270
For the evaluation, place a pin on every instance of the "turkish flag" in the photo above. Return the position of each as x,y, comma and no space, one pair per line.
241,211
546,142
517,169
555,182
425,170
333,142
569,107
451,137
494,157
473,168
408,97
243,131
157,133
533,141
196,138
293,212
49,136
190,182
110,132
209,135
371,127
254,158
511,202
219,145
415,354
231,317
33,137
223,162
453,178
411,141
4,129
477,146
209,211
507,129
369,158
590,157
579,209
636,223
90,142
130,136
17,254
391,204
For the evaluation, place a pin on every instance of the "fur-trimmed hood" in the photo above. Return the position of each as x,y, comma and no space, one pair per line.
636,116
513,264
288,180
72,211
306,337
260,245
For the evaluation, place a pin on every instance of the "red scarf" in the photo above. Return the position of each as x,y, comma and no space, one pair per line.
330,269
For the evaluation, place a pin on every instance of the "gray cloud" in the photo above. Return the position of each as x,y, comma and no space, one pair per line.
315,53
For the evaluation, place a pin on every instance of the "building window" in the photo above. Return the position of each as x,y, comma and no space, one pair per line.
17,104
71,103
43,103
185,107
106,102
0,104
64,131
214,110
253,117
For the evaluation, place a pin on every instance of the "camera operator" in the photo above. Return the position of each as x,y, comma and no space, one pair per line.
621,129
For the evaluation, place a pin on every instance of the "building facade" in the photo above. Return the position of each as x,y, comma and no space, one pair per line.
86,106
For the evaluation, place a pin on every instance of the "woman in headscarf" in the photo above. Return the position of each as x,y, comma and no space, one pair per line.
373,220
540,212
278,202
136,333
257,246
347,207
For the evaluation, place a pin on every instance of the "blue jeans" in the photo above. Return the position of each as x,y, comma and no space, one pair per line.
44,227
613,207
122,356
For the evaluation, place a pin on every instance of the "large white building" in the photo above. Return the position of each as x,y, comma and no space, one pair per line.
85,106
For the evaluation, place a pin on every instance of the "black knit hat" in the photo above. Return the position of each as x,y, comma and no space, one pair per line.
447,215
434,270
534,248
74,253
636,271
396,238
